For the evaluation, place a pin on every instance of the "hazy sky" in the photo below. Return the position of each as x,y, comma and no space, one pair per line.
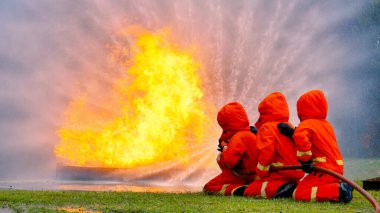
49,50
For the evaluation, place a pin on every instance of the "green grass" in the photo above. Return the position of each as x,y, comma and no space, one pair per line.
361,168
52,201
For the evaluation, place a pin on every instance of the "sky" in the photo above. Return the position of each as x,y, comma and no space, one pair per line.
52,50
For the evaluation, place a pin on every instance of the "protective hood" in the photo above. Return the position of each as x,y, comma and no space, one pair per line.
232,118
312,104
273,108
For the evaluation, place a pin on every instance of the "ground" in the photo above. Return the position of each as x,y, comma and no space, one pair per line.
82,201
73,201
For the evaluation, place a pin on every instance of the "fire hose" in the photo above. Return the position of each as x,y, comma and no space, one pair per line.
336,175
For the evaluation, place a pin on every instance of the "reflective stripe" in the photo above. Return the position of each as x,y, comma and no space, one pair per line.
319,160
277,164
294,194
340,162
263,168
300,154
232,192
236,173
313,197
263,194
223,190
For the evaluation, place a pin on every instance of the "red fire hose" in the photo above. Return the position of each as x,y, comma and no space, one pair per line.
334,174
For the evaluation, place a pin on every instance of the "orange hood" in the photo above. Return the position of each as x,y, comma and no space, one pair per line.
232,118
273,108
312,104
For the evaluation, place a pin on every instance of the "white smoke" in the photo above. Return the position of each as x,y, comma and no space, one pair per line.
49,50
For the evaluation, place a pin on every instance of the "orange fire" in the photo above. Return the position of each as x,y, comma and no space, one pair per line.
157,108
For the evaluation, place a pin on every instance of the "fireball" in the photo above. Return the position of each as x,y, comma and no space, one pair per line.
157,105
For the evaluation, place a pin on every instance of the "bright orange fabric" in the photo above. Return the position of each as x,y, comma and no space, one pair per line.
312,104
325,187
226,182
268,186
232,118
273,108
239,160
315,139
274,148
241,154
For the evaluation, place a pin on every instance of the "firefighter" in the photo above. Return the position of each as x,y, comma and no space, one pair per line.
274,149
238,153
317,146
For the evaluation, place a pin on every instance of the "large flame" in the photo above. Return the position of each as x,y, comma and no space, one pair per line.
157,108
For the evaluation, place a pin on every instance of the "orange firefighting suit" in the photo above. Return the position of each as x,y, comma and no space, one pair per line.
315,140
274,148
239,159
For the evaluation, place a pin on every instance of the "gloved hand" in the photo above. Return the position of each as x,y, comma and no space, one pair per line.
286,129
221,145
253,129
307,166
220,148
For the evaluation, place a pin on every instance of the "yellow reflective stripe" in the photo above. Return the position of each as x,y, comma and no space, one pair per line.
221,192
237,174
340,162
277,164
294,193
319,160
313,197
232,192
263,168
263,194
300,154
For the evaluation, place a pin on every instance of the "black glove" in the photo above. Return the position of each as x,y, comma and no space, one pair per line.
253,129
307,166
220,148
286,129
222,144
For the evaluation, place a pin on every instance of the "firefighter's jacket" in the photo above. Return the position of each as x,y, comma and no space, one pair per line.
274,148
314,137
241,154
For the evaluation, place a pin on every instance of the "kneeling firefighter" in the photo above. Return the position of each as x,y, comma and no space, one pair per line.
238,153
274,149
317,146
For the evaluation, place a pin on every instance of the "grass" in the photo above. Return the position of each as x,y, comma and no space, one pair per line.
361,168
74,201
79,201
